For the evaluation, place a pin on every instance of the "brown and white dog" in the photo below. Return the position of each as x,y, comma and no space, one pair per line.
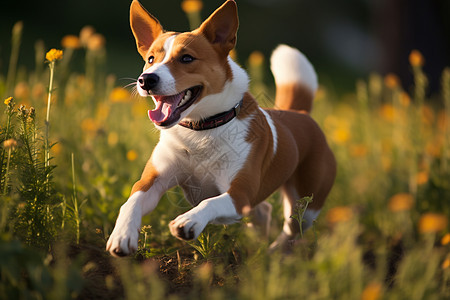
226,153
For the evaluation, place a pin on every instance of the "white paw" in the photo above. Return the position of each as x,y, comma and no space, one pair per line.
187,226
122,241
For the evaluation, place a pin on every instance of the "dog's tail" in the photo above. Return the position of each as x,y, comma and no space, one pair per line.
295,79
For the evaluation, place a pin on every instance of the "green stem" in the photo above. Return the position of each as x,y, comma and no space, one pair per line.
47,119
5,187
75,202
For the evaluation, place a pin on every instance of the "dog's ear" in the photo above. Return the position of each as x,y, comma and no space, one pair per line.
145,27
221,27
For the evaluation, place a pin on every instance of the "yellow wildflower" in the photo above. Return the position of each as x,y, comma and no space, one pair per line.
191,6
372,291
9,100
10,144
132,155
422,177
416,59
53,55
432,222
85,33
446,263
387,112
404,99
21,91
445,239
339,214
256,58
70,41
56,149
359,150
113,138
401,202
89,125
96,42
391,81
119,94
340,135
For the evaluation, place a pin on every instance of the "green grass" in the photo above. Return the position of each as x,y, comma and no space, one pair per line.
383,233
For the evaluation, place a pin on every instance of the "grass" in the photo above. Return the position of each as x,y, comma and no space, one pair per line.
383,233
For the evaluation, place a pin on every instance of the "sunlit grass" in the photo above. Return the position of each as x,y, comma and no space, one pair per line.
383,233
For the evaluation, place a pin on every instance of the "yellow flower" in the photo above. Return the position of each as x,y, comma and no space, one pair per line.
391,81
340,135
191,6
10,144
89,125
445,239
446,264
416,59
432,222
9,100
359,150
372,291
53,55
404,100
132,155
387,111
85,33
339,214
401,202
96,42
119,94
56,149
113,138
422,177
21,91
70,41
256,58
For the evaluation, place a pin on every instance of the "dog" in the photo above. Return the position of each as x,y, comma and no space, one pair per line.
227,154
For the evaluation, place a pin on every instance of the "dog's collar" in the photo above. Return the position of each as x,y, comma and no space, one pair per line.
214,121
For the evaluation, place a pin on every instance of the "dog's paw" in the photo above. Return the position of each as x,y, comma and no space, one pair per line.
186,227
122,242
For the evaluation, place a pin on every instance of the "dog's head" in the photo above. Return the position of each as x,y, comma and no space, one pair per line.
182,69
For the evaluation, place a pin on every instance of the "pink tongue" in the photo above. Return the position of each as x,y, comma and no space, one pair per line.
164,107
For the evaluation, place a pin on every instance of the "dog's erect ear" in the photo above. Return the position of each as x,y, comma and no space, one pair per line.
221,27
145,27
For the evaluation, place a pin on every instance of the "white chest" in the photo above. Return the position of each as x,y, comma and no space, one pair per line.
205,162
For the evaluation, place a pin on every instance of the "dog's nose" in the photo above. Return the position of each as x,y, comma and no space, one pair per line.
148,81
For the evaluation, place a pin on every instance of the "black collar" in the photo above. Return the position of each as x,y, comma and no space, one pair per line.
214,121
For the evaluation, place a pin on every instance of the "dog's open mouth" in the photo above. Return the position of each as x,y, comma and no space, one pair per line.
169,108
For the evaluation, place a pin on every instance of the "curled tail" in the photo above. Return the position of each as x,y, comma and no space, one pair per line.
295,79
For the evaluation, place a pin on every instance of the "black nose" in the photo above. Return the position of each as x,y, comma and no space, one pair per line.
148,81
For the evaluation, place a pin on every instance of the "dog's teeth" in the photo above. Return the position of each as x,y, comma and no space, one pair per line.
186,98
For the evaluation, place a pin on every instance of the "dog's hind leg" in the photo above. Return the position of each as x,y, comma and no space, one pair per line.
290,226
261,217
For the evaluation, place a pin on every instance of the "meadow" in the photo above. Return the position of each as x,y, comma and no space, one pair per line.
73,143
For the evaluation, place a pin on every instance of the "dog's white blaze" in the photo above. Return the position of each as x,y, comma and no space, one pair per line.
167,82
168,47
272,129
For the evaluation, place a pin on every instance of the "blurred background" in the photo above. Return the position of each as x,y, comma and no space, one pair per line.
344,39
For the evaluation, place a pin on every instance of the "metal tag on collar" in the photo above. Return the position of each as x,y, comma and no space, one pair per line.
237,107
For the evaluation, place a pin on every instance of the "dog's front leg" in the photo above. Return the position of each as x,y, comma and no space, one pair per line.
144,197
218,209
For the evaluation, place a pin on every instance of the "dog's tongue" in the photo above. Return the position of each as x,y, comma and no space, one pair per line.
165,105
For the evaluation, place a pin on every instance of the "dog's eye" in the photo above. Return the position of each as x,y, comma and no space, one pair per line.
187,59
151,59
